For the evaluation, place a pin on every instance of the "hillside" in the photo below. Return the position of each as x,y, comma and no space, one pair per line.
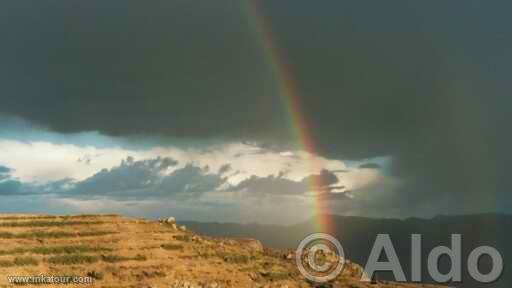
114,251
357,235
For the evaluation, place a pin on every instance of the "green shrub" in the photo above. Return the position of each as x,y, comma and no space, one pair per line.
19,261
25,261
183,238
47,223
117,258
96,275
6,263
172,247
73,259
72,249
234,258
52,234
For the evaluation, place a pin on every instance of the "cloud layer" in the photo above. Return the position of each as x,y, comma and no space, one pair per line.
220,180
425,83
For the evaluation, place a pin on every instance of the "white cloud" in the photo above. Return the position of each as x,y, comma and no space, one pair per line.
43,161
227,182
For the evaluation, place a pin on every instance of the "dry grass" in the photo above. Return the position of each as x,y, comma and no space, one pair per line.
183,238
53,234
118,258
19,261
47,250
72,249
55,217
48,223
73,259
235,258
139,253
171,246
78,259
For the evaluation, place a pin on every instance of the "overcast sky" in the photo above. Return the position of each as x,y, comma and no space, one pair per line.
173,107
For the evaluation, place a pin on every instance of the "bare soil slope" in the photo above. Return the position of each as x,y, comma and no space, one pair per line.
115,251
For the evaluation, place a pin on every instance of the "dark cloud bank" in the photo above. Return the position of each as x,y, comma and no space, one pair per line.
160,178
425,82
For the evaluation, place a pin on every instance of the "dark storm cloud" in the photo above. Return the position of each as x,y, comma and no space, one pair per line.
277,185
271,185
10,186
130,176
182,68
151,178
425,82
225,168
191,180
147,178
131,179
4,172
14,187
369,166
328,177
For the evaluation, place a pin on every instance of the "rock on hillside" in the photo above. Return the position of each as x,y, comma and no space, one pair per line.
113,251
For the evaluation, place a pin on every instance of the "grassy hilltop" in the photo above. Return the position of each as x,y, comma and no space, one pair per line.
121,252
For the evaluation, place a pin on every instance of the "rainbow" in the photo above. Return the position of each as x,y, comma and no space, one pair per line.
297,120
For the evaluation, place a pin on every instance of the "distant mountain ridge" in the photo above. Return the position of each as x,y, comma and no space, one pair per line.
357,235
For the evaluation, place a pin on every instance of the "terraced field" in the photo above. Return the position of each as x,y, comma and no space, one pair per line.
113,251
